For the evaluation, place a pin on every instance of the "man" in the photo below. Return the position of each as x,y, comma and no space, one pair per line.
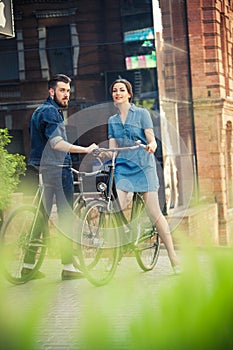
50,151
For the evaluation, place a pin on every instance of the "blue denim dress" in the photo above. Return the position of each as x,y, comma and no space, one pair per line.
135,170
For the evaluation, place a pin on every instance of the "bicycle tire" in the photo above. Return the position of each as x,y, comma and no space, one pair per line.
79,207
16,240
99,243
79,204
147,243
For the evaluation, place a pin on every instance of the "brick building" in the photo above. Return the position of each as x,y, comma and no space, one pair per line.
178,56
210,43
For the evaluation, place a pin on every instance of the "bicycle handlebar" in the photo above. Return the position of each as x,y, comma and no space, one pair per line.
84,173
96,152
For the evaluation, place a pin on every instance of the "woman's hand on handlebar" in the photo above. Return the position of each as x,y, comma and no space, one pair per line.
151,147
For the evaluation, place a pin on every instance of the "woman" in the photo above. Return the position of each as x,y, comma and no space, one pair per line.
136,170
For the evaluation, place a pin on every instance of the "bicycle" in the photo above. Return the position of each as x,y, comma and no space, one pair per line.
106,234
25,231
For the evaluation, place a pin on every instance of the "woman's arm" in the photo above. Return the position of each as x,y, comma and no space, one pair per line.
112,143
152,144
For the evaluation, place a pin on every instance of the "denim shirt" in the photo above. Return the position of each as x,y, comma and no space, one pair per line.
47,127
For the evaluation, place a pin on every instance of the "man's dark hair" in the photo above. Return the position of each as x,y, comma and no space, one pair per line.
56,78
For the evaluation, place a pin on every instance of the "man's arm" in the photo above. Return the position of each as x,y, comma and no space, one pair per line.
58,144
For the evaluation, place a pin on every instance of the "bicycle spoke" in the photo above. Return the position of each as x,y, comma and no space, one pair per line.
147,243
99,243
23,237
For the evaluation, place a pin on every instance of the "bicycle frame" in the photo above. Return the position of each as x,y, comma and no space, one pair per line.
111,194
106,234
81,199
38,198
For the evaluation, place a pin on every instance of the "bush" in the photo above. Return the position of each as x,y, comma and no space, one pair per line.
12,166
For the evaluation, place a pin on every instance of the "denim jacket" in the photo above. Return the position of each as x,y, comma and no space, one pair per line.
46,129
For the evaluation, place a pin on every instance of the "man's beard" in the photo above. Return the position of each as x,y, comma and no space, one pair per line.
59,102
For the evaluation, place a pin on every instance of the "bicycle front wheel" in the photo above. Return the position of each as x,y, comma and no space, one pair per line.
22,240
99,243
147,243
79,207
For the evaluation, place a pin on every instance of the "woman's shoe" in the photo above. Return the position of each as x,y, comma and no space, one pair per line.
71,275
177,269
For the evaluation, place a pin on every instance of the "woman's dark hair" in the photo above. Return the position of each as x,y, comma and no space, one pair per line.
127,85
56,78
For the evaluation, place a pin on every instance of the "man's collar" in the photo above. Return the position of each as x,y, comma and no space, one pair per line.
51,100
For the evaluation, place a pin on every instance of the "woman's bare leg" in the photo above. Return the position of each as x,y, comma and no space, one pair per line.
153,208
122,196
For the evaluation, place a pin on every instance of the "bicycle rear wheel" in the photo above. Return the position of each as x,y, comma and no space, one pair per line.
147,243
99,243
79,207
22,240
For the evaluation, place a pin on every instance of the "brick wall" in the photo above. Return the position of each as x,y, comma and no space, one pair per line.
199,225
209,27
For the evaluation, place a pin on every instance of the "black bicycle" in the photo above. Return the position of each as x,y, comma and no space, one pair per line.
25,233
107,232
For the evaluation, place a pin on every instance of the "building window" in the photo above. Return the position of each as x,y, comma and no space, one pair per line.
9,68
138,33
59,50
42,52
139,48
21,56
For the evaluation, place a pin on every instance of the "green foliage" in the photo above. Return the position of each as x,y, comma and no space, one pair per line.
11,167
191,311
19,321
196,313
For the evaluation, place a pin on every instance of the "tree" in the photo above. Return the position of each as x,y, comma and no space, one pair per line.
11,167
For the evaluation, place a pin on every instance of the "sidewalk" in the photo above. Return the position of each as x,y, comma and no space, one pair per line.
68,305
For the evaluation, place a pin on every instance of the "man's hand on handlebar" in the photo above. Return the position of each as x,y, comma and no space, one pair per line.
92,147
101,153
107,152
